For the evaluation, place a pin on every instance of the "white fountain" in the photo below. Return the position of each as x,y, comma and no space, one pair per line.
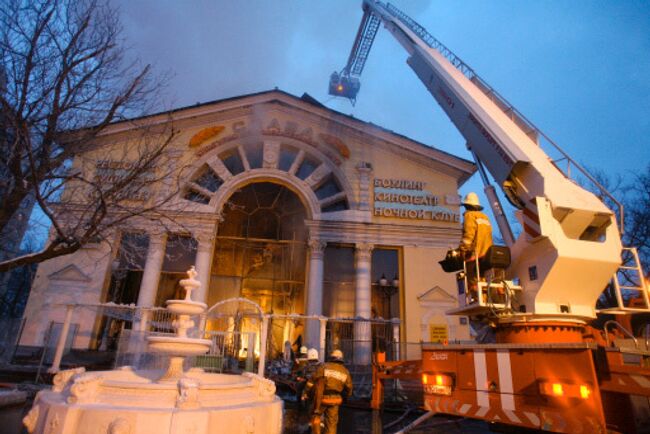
128,401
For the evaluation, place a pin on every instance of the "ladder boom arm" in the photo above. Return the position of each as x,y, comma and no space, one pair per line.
570,239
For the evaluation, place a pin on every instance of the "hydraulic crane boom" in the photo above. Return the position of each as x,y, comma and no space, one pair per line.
570,246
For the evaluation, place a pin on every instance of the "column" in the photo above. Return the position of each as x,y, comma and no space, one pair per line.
314,292
63,337
152,269
362,301
203,265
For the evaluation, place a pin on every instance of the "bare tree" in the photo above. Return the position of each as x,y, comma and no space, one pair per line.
634,193
64,83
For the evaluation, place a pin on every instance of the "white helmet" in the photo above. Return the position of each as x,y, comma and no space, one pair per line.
303,350
471,199
312,354
337,354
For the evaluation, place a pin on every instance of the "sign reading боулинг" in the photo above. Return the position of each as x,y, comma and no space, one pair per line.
403,198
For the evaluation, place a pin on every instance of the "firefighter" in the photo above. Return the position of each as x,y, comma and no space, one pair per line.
476,238
477,230
335,382
300,362
304,376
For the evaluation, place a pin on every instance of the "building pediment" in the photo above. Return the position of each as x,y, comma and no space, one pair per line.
437,295
335,132
70,273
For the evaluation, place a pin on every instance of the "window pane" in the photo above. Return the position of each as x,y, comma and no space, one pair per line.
339,264
232,161
133,251
287,157
307,167
327,189
180,253
208,179
255,153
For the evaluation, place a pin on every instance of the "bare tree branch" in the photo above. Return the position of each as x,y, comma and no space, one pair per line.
63,82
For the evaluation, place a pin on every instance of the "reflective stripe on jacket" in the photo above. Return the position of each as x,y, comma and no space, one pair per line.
337,378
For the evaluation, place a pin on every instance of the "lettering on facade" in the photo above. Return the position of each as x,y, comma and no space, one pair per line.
109,172
290,129
403,198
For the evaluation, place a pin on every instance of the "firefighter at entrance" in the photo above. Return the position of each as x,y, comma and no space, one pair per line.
331,382
305,387
476,237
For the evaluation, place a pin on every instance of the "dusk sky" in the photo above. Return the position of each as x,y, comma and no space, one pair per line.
579,70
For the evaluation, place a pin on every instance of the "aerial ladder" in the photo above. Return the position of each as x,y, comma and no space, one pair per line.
548,369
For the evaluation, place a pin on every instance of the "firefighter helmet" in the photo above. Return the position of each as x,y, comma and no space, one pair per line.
337,355
303,350
312,354
471,199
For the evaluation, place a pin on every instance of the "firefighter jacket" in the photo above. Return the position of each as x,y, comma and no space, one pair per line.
338,380
477,233
308,372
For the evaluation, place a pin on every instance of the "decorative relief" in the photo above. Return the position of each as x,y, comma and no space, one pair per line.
119,426
205,134
271,155
336,143
188,394
316,248
205,241
363,251
84,389
330,145
265,388
62,379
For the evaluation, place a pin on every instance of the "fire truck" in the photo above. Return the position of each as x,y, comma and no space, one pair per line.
546,367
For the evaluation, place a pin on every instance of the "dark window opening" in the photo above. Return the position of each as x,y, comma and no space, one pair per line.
232,161
288,155
180,255
385,283
307,168
329,188
255,155
208,179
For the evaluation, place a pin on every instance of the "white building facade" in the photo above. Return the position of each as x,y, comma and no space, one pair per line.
284,202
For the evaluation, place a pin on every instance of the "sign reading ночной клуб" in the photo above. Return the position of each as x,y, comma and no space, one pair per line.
408,199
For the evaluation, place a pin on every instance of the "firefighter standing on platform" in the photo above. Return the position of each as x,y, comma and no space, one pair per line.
335,382
475,241
477,230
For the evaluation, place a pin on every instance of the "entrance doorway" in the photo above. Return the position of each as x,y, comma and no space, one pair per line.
261,248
